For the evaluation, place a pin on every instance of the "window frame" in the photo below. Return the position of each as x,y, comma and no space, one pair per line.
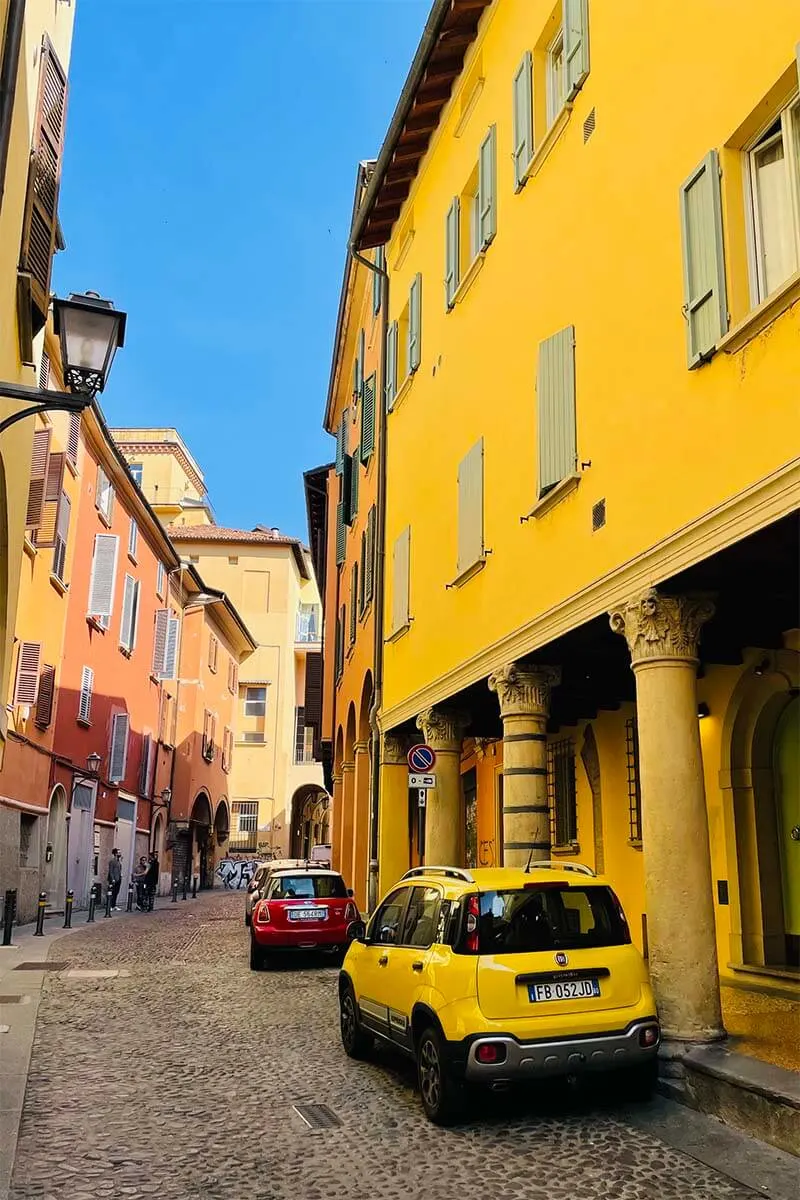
789,135
104,494
554,102
135,468
374,923
255,687
421,887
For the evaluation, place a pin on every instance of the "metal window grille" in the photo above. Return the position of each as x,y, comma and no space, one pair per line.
634,786
244,834
561,792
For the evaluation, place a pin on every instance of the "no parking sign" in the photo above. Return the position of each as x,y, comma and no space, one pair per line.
421,759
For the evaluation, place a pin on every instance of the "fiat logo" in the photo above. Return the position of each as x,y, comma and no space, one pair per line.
561,958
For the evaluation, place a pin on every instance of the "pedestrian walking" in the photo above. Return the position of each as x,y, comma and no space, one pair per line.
114,877
140,879
151,880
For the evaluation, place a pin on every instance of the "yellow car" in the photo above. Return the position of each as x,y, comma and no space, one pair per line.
497,976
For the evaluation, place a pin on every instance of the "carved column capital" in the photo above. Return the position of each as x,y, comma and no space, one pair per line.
524,691
443,728
394,749
656,626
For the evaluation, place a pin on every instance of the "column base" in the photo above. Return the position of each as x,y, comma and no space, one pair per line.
674,1048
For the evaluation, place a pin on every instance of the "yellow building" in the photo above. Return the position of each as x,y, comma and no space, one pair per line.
35,41
278,802
591,215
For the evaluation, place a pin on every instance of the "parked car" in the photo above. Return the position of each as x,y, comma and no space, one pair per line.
256,885
303,908
498,976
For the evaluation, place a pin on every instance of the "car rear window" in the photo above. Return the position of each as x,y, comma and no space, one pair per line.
313,887
552,917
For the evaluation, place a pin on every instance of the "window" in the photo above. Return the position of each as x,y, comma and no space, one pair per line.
553,917
45,534
705,304
227,749
62,533
104,495
419,927
165,644
40,460
308,623
368,418
146,766
355,462
28,840
213,653
252,726
414,346
358,370
556,82
362,603
44,371
471,221
555,402
161,580
369,561
130,614
774,165
255,702
85,701
452,276
104,575
133,539
385,925
392,338
341,533
73,438
309,887
338,648
209,735
26,685
401,563
634,787
136,470
233,676
244,834
118,753
303,738
470,509
561,792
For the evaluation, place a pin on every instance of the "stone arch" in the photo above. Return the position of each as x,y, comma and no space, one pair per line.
201,841
222,821
350,733
365,707
764,691
55,881
310,820
338,754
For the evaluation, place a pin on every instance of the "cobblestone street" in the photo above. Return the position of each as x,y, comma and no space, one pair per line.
177,1079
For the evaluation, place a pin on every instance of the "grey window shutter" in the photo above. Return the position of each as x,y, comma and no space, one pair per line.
705,298
487,187
160,641
44,702
171,652
368,419
377,280
401,561
145,763
126,625
452,274
104,574
356,462
26,685
87,687
62,535
415,323
555,405
391,365
118,758
341,442
576,44
470,508
523,117
341,534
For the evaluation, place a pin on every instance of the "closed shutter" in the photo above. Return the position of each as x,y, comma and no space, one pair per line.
160,641
401,559
576,44
62,534
353,602
377,279
44,703
342,635
171,651
362,574
523,117
487,187
144,766
391,365
337,651
118,756
452,272
313,691
130,606
341,534
85,701
369,565
73,437
39,464
46,533
555,405
368,418
40,224
104,574
26,685
470,508
705,299
415,323
347,490
44,371
355,462
133,538
341,441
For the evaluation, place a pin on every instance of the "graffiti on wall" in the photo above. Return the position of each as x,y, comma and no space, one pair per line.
236,873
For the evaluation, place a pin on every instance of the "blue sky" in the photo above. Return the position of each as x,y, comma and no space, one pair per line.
208,180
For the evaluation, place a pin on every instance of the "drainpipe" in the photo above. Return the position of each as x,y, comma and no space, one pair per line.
9,69
380,556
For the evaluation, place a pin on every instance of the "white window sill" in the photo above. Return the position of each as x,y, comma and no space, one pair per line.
542,152
72,467
396,634
469,572
59,585
84,723
402,391
553,497
29,548
761,317
106,520
95,624
466,283
635,843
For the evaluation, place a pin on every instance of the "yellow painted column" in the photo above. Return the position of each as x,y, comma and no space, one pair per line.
360,862
393,842
336,833
524,696
348,807
662,633
443,730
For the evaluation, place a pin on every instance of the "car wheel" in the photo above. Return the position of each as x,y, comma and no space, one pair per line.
356,1043
258,958
442,1096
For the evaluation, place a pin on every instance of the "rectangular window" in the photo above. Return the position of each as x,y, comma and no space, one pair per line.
299,734
62,534
353,602
470,509
401,563
555,402
369,562
133,539
556,79
244,831
774,164
341,533
309,623
634,787
45,535
561,792
136,470
233,676
549,918
255,701
355,464
85,701
40,460
145,767
104,495
118,752
161,580
26,685
358,369
130,613
73,438
575,45
487,189
28,840
213,653
392,337
227,749
104,575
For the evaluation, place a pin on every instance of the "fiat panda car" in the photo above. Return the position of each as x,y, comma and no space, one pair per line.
497,976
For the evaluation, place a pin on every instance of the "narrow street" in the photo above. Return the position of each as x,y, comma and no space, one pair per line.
177,1078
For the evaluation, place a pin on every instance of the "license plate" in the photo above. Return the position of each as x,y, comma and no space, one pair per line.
307,914
571,989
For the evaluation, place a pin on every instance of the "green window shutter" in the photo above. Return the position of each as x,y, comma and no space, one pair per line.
523,117
391,365
341,535
576,44
470,508
377,280
353,602
355,463
341,441
368,419
487,187
369,564
705,300
415,323
401,559
555,404
452,252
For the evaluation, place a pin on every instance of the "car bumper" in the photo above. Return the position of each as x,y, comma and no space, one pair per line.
547,1059
306,939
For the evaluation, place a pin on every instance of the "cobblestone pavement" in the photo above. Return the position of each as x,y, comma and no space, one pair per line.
177,1078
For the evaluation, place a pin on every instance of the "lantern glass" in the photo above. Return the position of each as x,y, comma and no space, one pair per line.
93,764
91,330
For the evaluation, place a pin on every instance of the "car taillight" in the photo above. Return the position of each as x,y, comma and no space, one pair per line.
649,1036
491,1052
351,912
262,913
622,918
472,940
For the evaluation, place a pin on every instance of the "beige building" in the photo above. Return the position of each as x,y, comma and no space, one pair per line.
278,802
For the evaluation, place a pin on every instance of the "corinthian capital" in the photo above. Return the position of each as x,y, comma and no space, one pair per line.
394,749
656,626
443,728
524,692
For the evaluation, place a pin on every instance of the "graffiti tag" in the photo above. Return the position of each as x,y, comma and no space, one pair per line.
236,873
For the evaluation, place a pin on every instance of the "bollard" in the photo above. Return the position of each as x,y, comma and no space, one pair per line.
174,891
92,902
107,913
183,897
68,903
129,905
9,912
194,887
40,907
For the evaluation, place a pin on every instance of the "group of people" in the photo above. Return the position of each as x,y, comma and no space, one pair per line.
145,879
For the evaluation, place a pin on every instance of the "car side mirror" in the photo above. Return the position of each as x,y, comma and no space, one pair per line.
350,893
357,931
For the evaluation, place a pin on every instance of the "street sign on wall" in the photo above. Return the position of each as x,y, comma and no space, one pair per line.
421,781
421,758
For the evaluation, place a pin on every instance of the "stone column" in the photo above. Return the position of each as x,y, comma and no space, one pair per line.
358,874
348,807
524,696
393,833
336,829
662,634
443,730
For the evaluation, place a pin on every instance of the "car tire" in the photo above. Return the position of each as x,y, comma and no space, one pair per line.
356,1043
248,920
258,957
442,1096
638,1083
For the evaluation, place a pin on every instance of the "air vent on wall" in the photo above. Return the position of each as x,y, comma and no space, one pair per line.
598,515
588,126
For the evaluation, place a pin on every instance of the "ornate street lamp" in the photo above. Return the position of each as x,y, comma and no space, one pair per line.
93,764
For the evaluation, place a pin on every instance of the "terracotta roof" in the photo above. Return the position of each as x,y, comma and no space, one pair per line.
220,533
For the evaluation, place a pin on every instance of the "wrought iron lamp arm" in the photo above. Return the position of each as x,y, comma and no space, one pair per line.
40,401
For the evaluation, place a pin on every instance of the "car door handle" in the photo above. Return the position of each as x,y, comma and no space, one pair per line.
417,966
383,960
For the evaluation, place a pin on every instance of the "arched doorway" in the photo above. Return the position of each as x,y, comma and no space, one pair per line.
221,837
200,835
55,882
310,820
786,767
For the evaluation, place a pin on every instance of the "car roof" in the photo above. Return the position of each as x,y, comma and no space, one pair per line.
459,880
307,870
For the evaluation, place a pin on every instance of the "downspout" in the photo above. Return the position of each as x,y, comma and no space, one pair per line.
380,556
9,69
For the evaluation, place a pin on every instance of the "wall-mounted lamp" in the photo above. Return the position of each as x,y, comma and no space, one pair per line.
703,710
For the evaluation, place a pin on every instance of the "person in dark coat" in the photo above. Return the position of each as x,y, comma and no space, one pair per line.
151,879
114,876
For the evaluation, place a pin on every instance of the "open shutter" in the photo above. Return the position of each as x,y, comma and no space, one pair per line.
118,757
40,224
341,534
362,573
46,533
26,685
104,574
523,117
470,508
368,418
391,365
133,538
705,299
160,641
355,462
171,651
576,44
369,564
347,490
401,559
73,437
555,406
39,463
44,371
337,658
44,704
145,764
415,323
62,534
313,692
340,428
452,252
85,702
487,187
130,606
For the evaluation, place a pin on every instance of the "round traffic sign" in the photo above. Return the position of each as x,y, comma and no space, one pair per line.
421,758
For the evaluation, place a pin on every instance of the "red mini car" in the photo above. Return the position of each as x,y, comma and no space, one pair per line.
303,909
